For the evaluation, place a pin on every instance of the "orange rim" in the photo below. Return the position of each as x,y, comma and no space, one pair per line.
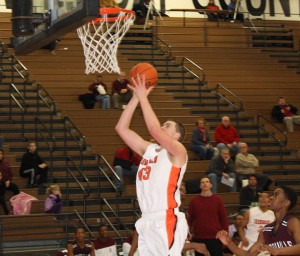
112,11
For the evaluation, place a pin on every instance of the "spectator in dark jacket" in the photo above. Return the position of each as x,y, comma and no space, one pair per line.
33,165
201,141
286,113
221,166
249,194
126,162
120,93
99,89
7,175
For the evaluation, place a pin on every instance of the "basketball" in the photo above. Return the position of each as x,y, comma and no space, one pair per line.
147,70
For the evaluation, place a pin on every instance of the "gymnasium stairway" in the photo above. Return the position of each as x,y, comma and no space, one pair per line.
280,40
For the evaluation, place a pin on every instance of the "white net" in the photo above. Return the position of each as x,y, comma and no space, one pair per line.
100,39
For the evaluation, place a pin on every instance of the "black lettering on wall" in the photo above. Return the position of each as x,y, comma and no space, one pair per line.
285,4
198,5
256,11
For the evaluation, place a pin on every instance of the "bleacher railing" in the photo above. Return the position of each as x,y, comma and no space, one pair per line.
47,136
102,165
228,96
119,221
193,69
87,228
165,48
21,102
112,226
71,131
2,52
70,163
261,121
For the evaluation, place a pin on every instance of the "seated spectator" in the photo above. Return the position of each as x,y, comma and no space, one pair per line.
254,220
126,162
140,10
238,221
80,246
226,135
221,166
130,244
201,141
53,202
2,196
99,89
232,8
246,165
213,16
7,175
233,230
104,244
120,93
33,165
286,113
249,194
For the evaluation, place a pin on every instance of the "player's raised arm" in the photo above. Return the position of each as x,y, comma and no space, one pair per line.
131,138
166,135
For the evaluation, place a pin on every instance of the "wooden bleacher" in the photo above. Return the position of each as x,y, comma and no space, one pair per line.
226,57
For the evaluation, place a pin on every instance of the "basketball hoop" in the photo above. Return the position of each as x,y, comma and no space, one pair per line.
101,37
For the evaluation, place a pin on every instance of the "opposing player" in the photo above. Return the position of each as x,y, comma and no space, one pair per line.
281,237
162,228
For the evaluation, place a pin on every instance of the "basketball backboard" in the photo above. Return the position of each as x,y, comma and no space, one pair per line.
60,17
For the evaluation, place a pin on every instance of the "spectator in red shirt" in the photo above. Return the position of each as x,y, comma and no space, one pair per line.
206,217
120,93
226,135
213,16
126,162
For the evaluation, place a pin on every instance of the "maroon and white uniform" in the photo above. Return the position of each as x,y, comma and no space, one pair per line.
105,247
281,238
85,251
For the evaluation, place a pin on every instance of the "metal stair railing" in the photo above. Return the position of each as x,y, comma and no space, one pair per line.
91,234
20,69
2,52
281,143
48,101
112,226
187,65
85,189
49,139
161,45
102,162
136,215
71,130
238,107
22,106
120,222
